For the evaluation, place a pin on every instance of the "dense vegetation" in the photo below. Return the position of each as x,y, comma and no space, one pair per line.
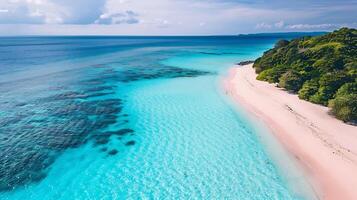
321,69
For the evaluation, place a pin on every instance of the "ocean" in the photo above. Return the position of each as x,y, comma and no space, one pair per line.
94,117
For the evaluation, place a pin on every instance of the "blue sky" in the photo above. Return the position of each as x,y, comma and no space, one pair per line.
172,17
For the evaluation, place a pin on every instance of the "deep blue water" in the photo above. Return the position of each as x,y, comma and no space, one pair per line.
130,117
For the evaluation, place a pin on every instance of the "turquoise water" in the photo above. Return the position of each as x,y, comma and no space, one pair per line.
132,118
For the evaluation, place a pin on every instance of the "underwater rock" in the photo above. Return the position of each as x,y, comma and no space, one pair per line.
130,143
247,62
102,140
112,152
21,104
124,131
97,89
28,168
67,95
99,94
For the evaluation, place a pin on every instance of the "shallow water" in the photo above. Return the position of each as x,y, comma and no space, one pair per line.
130,118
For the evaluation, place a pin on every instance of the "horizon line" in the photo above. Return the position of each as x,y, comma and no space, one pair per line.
179,35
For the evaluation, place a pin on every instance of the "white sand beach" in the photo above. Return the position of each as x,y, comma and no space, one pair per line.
326,147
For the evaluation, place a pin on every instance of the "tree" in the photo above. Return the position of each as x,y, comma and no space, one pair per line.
291,80
346,89
322,68
281,43
329,84
309,88
344,107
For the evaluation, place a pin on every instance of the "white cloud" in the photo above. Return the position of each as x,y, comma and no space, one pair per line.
167,17
127,17
313,26
50,11
194,16
300,27
263,26
31,11
280,24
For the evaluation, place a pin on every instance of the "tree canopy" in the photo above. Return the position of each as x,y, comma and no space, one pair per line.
320,69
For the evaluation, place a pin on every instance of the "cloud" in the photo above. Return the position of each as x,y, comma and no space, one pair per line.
50,11
263,26
127,17
280,24
277,25
81,11
313,26
30,12
167,17
301,27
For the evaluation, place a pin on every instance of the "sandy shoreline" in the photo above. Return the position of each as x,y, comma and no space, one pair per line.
325,146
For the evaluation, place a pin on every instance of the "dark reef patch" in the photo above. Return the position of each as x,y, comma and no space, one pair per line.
98,88
102,138
104,149
112,152
21,104
41,117
32,136
130,143
121,131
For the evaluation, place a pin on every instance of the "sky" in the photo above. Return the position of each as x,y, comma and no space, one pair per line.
173,17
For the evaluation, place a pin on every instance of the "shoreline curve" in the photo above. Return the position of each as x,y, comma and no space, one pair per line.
324,146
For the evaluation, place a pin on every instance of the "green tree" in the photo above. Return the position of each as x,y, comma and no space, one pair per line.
309,88
344,107
329,84
281,43
346,89
272,75
321,69
291,80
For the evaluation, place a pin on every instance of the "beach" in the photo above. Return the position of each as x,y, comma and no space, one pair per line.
324,146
